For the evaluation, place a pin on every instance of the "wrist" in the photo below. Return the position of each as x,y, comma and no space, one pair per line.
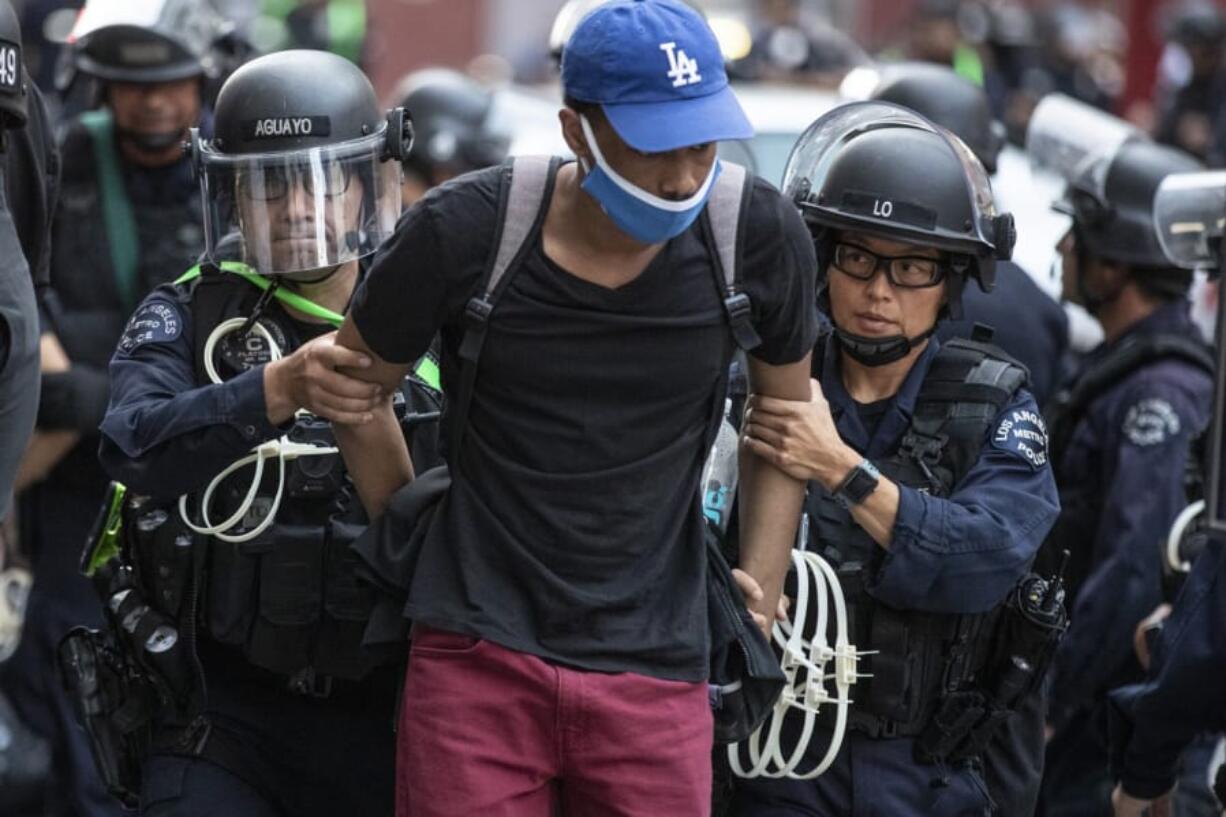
278,404
838,467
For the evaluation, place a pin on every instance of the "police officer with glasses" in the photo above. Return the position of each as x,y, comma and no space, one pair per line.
929,490
239,510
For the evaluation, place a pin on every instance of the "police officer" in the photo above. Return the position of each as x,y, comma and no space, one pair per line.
1189,114
1120,440
1180,699
453,130
1027,324
286,714
126,219
18,312
929,520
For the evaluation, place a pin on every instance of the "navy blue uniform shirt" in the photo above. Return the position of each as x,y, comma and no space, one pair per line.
1184,694
965,552
1129,449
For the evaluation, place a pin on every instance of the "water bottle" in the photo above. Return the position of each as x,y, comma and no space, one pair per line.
719,475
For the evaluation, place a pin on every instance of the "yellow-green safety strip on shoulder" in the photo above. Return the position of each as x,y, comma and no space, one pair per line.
427,370
968,64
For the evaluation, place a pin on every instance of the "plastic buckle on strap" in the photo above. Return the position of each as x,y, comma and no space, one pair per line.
738,306
477,312
740,311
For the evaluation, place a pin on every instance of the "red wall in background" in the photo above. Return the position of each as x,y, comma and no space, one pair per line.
409,34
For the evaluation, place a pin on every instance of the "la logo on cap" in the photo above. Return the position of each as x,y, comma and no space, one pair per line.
681,69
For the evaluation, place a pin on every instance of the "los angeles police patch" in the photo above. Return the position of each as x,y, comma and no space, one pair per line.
1023,434
154,322
1151,422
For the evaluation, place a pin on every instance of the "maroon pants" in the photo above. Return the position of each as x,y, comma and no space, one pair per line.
489,732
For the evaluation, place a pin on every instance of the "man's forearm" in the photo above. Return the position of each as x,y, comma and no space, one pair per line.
770,506
376,457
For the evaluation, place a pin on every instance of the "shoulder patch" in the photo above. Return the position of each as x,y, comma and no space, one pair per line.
1023,433
155,321
1151,422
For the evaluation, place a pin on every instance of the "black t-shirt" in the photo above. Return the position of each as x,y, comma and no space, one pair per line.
572,529
870,414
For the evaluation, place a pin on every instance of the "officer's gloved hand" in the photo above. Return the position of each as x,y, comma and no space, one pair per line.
311,379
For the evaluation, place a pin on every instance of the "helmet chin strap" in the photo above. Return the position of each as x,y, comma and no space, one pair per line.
879,351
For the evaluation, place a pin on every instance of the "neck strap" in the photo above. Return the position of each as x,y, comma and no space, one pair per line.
285,296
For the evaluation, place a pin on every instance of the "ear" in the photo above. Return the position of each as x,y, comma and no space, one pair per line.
572,132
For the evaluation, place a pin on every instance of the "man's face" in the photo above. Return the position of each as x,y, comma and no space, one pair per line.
1097,279
876,308
287,214
674,175
155,115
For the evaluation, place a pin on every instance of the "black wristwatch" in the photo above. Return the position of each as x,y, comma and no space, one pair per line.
857,485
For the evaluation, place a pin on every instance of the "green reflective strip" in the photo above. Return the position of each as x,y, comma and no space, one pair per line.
285,296
346,28
117,214
427,372
968,64
107,546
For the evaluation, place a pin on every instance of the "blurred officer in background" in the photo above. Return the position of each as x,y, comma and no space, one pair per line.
929,488
1120,435
280,711
453,131
1188,115
127,219
1028,324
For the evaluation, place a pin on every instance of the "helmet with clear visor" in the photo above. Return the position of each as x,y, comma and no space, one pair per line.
303,171
1112,172
886,170
1190,218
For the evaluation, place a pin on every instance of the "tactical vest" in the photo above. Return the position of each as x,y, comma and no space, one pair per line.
1081,502
920,657
288,599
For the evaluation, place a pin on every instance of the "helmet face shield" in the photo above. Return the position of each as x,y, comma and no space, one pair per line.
300,210
1077,142
1189,215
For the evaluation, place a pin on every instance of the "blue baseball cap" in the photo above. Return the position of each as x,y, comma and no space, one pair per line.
656,70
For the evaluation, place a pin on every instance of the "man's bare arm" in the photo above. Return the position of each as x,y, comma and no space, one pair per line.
375,452
770,500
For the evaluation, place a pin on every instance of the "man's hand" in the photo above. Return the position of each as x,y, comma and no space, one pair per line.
1126,805
309,379
799,438
752,591
1140,638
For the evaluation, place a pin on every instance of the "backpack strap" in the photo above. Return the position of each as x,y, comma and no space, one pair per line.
527,185
967,386
1132,354
723,217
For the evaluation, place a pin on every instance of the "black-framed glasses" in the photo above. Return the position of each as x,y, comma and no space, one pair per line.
272,183
905,271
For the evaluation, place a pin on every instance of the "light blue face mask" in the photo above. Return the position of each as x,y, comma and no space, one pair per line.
637,213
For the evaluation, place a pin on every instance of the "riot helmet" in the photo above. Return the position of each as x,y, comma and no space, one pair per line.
948,99
303,166
13,79
146,41
453,131
1112,172
887,171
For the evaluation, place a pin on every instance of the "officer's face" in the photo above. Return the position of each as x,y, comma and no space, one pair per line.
876,307
295,219
1096,280
155,113
674,174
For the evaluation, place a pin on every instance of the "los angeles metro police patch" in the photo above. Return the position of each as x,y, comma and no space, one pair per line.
1151,422
155,321
1024,434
